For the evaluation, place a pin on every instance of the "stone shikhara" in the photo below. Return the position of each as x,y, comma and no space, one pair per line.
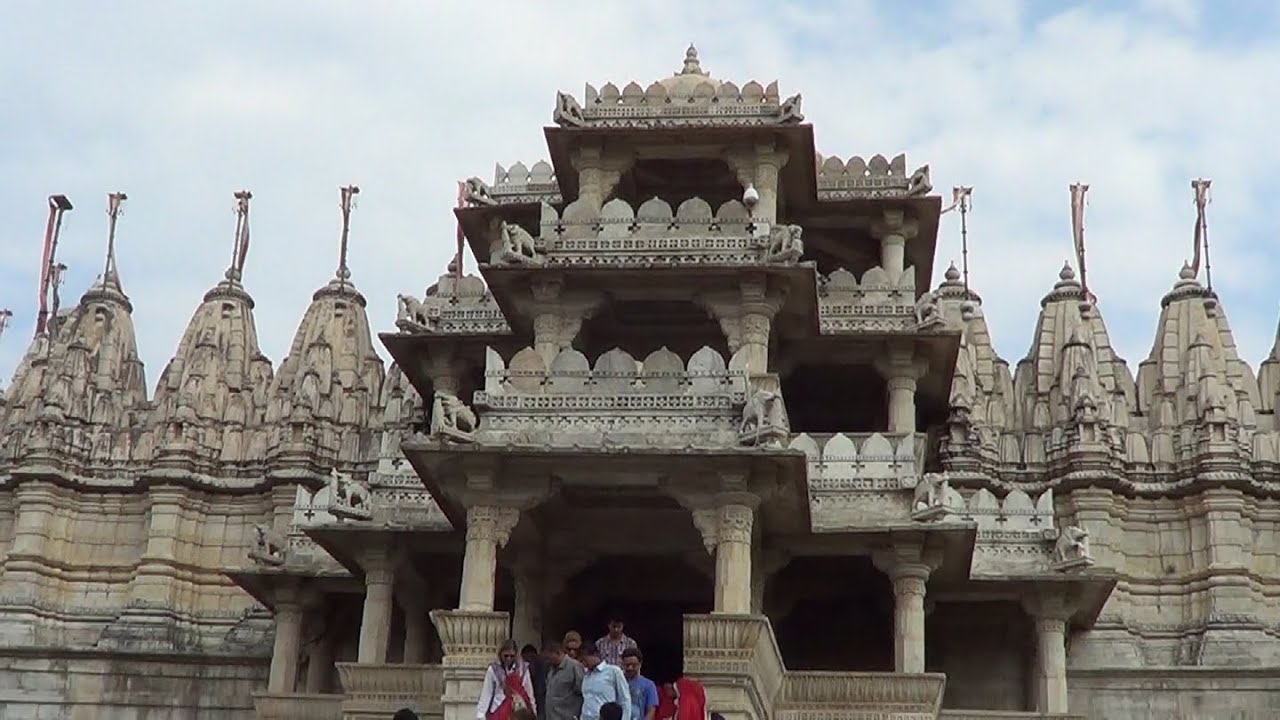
703,344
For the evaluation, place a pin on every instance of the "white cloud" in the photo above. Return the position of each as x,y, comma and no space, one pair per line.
180,105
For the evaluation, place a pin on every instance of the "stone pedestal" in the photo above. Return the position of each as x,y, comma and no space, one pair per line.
470,641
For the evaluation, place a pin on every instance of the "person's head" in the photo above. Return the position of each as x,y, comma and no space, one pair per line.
590,655
611,711
573,644
631,662
616,626
529,653
554,653
405,714
507,653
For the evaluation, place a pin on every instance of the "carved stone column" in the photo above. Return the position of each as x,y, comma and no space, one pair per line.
154,580
727,531
901,372
488,528
375,623
526,621
470,641
760,166
598,172
284,654
415,636
893,232
444,373
1049,614
908,569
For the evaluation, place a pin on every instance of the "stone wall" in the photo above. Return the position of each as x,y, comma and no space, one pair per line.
1175,694
44,684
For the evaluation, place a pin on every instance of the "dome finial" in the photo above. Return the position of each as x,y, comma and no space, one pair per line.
691,64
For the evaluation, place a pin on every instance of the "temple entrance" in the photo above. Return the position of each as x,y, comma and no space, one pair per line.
833,613
650,594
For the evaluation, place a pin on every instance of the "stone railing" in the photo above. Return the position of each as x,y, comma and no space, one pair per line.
877,303
858,479
297,706
874,178
807,695
736,658
651,235
377,691
521,184
452,306
697,100
1004,715
660,402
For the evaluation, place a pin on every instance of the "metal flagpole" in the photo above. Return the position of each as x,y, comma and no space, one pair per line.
962,194
457,258
348,204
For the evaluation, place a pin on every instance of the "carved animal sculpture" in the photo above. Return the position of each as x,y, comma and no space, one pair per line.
412,310
919,183
476,192
927,312
789,112
785,245
517,244
568,111
1072,545
451,417
269,546
347,493
764,411
931,492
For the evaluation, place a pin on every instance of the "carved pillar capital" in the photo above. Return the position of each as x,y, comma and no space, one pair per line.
1049,606
895,227
491,523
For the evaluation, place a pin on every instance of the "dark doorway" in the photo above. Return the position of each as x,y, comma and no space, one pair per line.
651,595
833,613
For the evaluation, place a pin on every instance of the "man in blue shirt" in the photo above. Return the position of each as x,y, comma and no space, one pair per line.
644,694
603,683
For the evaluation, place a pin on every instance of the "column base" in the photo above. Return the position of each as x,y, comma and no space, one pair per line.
470,640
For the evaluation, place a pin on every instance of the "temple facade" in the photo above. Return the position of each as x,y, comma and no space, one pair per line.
702,379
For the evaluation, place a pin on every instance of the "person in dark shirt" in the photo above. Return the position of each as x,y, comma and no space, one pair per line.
611,711
538,674
405,714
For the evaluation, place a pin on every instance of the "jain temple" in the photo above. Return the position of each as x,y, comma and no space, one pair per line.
702,378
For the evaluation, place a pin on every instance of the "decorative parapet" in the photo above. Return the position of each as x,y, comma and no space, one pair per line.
1015,534
619,402
857,479
900,696
875,178
737,660
652,235
297,706
380,690
692,98
452,306
876,304
400,499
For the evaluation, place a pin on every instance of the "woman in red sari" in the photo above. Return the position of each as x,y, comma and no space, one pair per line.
508,688
684,699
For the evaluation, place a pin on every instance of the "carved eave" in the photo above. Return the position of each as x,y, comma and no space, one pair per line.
266,584
779,476
952,540
418,353
1084,592
345,541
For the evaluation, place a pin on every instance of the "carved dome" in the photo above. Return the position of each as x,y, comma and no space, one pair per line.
686,82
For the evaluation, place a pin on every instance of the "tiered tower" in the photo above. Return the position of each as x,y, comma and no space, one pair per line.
700,380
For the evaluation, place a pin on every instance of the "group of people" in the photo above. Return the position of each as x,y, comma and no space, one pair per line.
572,680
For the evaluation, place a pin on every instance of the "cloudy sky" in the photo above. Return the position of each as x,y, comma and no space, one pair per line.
180,104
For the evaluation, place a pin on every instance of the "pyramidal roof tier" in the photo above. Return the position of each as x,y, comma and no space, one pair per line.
1194,368
324,400
211,399
690,98
981,384
1071,360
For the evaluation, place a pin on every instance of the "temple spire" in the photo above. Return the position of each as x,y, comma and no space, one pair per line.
110,273
240,250
348,204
